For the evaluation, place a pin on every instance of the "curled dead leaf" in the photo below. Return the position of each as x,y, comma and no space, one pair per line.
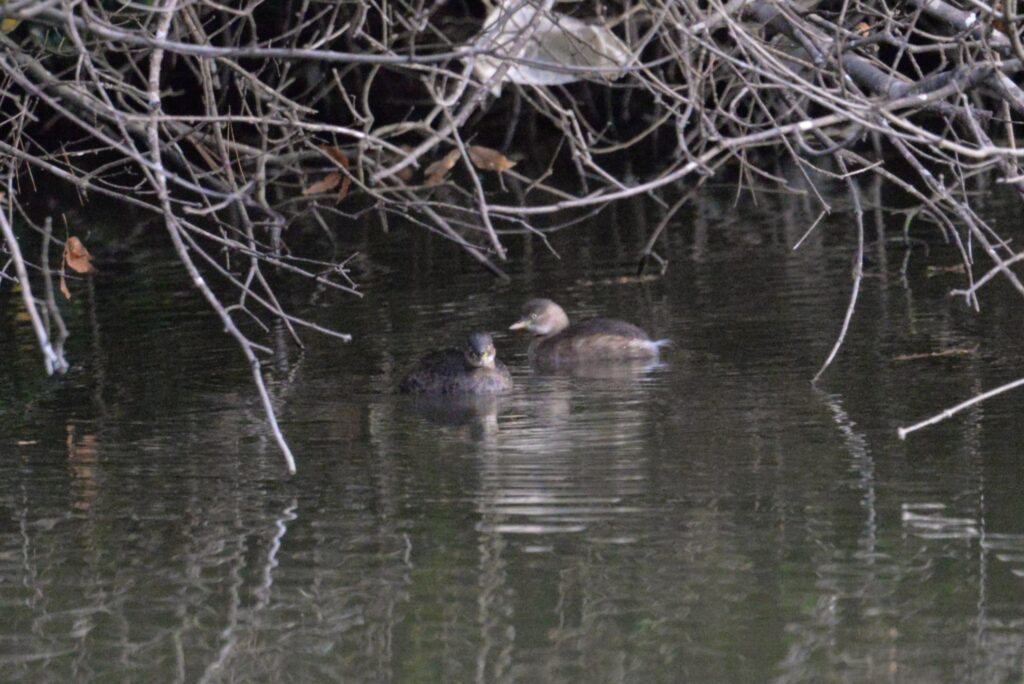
862,29
77,257
325,184
999,18
342,159
436,172
337,155
486,159
64,284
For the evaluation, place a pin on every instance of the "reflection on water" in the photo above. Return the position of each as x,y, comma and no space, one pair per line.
479,413
711,517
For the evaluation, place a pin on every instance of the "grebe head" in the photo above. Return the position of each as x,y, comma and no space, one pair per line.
479,350
542,317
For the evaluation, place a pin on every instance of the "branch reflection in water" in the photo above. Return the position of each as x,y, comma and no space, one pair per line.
710,517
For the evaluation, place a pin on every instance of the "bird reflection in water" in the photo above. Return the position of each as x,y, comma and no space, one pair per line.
477,414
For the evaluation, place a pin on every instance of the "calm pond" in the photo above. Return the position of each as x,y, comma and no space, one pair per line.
713,518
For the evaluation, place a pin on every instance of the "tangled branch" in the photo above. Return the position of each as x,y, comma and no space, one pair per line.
233,124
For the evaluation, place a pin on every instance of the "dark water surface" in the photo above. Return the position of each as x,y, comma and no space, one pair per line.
711,518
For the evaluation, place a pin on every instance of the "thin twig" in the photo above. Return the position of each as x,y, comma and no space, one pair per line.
52,361
952,411
858,274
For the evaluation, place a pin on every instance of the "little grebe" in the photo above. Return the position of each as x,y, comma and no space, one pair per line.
470,370
557,343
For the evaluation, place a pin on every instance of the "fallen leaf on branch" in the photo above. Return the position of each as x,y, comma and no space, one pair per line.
862,29
436,172
486,159
77,257
998,18
328,182
342,159
335,154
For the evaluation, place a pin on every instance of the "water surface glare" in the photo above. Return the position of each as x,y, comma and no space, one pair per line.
712,517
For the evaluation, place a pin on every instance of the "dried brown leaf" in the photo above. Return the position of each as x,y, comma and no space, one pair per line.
346,180
486,159
64,284
76,256
436,172
328,182
346,183
337,155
